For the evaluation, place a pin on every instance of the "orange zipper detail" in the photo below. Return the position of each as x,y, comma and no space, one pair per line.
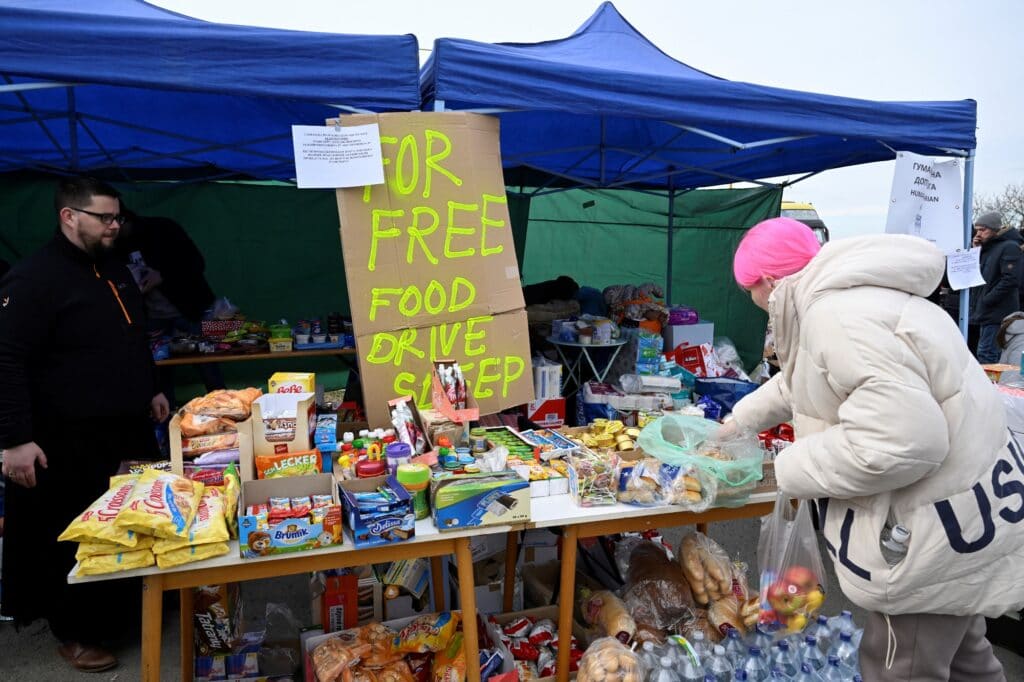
119,302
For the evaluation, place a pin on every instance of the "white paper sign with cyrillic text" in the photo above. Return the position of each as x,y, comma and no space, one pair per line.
927,201
963,268
330,157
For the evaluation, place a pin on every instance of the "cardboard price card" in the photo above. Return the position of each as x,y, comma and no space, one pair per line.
431,265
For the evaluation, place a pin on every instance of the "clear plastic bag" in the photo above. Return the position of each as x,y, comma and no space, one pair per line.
707,568
656,593
608,660
792,583
681,440
649,482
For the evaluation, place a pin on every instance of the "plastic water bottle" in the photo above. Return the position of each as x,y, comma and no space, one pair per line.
894,543
666,672
844,623
811,654
701,646
734,649
649,658
822,632
783,658
845,651
719,666
691,672
760,638
777,674
807,674
674,651
756,667
834,672
740,676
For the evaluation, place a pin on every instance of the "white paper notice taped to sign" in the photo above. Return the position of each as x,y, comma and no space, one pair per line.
963,268
927,201
329,157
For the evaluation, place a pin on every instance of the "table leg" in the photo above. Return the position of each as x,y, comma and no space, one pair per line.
185,597
566,598
611,361
702,528
511,555
152,619
568,371
437,576
467,597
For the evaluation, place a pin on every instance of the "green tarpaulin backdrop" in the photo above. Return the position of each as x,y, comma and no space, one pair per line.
275,251
604,237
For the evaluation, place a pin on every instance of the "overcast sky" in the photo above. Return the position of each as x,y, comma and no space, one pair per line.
871,49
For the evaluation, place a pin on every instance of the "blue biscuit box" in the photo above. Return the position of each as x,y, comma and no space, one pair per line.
379,511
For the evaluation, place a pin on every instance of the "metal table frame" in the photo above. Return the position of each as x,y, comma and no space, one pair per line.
574,368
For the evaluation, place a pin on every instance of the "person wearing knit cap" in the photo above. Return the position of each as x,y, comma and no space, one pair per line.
1000,268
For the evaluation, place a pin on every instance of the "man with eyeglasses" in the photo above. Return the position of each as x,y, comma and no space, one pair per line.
77,398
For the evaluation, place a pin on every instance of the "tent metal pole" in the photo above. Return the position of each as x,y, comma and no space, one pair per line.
965,294
72,128
671,230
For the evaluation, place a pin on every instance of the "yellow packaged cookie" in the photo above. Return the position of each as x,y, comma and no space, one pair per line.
162,504
96,524
208,524
112,563
88,549
189,553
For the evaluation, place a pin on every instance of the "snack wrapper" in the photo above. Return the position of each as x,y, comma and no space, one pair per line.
450,662
161,504
520,627
114,563
190,553
289,464
96,524
542,632
208,525
427,633
88,549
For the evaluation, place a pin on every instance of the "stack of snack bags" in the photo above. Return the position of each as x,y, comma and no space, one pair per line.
209,432
154,517
429,648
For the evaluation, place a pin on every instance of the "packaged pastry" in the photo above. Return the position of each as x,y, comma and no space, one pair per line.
161,504
113,563
604,609
450,662
289,464
87,549
96,524
190,553
208,525
427,633
608,660
707,568
234,405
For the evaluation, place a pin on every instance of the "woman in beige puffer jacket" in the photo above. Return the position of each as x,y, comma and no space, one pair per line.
895,423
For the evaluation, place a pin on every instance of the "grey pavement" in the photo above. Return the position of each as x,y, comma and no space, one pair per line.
31,654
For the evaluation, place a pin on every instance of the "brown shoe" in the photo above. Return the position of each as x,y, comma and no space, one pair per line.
88,659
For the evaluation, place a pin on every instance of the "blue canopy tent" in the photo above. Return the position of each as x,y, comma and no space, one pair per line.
605,108
123,88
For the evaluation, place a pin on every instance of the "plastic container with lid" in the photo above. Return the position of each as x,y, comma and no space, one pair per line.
368,468
397,453
478,440
416,479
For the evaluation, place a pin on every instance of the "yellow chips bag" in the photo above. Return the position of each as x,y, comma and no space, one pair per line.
208,525
112,563
87,549
97,522
162,504
189,553
232,491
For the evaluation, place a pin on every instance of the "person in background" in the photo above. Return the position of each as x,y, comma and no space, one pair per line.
170,272
78,397
999,296
895,423
1011,339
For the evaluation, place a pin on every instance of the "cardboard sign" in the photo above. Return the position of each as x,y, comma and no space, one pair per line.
431,265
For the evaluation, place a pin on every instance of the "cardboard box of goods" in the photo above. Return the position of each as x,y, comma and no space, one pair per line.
688,334
258,537
386,523
283,422
292,382
549,413
495,623
243,441
470,500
